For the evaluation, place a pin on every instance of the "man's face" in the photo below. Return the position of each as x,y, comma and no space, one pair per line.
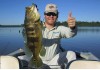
50,18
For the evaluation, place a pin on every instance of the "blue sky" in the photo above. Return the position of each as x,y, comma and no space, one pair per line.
13,11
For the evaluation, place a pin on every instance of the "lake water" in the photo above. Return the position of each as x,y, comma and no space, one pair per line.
87,39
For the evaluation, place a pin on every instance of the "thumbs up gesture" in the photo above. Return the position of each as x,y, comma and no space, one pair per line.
71,21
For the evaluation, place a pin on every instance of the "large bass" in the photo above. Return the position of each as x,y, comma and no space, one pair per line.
33,32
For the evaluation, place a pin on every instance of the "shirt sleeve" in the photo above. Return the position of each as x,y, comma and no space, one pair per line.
67,32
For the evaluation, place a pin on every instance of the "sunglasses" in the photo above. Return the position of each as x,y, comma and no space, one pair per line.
50,13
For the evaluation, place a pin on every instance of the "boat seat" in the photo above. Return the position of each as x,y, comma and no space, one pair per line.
9,62
84,64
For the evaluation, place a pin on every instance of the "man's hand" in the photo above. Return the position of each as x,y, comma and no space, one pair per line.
71,21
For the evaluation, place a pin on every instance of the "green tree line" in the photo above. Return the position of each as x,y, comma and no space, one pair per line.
11,25
64,23
80,23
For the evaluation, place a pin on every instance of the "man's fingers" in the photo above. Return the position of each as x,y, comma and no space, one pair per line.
71,19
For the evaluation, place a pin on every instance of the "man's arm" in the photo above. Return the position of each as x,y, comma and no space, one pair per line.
71,30
67,32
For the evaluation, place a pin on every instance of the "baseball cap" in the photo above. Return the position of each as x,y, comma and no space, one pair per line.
51,8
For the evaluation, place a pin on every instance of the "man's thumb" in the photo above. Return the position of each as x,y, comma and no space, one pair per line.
70,14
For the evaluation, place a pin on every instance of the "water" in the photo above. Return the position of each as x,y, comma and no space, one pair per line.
87,39
11,39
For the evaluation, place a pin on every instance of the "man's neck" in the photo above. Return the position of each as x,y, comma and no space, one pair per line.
49,26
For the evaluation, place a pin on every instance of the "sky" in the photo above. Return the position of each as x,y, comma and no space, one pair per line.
12,12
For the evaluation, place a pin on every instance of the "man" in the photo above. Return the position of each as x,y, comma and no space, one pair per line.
53,55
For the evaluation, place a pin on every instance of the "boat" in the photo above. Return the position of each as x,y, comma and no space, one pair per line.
18,60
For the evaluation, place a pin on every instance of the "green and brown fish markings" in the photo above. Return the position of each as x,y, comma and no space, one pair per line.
33,31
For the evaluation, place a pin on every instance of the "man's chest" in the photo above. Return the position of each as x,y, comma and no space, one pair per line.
51,34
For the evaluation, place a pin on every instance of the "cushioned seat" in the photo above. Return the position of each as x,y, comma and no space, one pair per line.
9,62
84,64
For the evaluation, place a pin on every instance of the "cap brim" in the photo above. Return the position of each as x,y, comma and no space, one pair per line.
50,11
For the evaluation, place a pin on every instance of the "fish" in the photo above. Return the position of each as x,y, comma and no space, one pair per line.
33,32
